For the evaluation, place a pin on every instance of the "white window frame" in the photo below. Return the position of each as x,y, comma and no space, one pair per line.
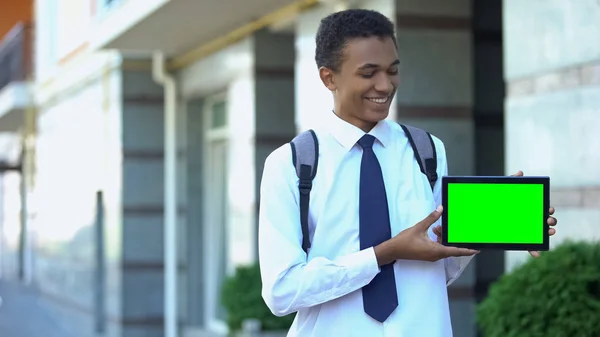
211,135
47,43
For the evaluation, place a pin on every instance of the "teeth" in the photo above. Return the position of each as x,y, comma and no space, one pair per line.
378,100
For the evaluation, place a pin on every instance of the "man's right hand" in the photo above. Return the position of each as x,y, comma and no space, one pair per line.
414,244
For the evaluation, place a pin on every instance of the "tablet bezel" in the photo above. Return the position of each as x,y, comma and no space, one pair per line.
545,181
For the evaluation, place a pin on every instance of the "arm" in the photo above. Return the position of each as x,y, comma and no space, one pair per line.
454,265
290,281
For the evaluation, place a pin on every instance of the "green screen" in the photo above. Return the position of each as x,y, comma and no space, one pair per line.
495,213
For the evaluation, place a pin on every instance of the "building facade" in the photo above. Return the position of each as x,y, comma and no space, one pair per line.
16,128
153,119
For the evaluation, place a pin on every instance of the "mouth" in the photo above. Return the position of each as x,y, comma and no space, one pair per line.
379,100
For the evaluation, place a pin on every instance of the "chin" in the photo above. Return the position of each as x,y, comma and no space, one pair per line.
375,112
377,115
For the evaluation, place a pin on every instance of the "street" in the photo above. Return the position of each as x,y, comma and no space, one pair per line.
23,313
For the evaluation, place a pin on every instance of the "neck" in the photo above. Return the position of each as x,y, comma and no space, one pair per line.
366,126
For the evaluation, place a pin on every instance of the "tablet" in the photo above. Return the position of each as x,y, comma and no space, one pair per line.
507,213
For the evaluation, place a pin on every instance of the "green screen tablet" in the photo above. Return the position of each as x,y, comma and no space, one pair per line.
507,213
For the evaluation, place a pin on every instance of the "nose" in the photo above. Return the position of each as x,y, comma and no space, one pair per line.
384,84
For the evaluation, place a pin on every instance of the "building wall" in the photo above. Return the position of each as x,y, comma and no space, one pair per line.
10,215
275,95
10,224
61,34
256,79
77,155
230,73
14,11
103,117
552,70
216,244
101,129
436,93
143,203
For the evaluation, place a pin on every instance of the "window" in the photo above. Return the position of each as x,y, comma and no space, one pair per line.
216,209
218,115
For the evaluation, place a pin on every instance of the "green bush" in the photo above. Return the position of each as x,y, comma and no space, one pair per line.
241,297
556,295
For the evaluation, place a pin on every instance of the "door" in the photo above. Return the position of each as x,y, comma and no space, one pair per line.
216,209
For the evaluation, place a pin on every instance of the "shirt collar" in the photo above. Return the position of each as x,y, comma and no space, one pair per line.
347,134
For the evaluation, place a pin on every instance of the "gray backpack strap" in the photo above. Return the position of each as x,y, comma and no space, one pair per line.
305,157
424,150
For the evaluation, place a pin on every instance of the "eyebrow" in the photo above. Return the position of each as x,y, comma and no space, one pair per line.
371,65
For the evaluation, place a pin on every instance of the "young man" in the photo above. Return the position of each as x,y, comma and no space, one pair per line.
375,267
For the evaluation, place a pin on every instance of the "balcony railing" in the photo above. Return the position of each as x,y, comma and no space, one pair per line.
16,54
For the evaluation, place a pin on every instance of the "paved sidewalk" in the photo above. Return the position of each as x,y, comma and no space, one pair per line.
23,314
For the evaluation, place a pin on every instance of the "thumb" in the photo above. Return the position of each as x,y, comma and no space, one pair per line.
518,174
424,224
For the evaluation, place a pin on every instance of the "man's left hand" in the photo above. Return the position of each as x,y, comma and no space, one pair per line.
437,230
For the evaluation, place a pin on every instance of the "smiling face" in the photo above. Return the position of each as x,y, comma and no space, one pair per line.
366,81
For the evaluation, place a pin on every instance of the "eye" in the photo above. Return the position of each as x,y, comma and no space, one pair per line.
367,75
393,71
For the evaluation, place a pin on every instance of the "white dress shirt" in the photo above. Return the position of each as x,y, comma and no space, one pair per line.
324,288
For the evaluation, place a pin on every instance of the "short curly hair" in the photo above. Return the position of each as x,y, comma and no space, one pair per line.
336,29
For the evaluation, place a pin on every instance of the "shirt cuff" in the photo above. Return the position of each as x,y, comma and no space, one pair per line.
362,265
455,266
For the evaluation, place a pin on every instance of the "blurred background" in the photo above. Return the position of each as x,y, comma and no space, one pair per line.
133,135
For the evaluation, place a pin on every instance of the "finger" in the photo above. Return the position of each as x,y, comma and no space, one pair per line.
438,233
551,231
534,253
457,252
551,211
424,224
552,221
518,174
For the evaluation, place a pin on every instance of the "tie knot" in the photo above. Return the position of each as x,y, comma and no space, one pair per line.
366,141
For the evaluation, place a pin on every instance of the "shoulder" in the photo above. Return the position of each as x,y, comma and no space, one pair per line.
397,130
278,173
305,145
280,158
398,133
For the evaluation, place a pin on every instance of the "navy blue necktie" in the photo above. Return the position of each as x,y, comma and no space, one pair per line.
379,297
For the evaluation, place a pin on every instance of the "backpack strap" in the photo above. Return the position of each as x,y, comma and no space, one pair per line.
305,157
424,149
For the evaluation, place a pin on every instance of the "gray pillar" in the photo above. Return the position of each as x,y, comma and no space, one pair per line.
436,52
274,96
194,111
143,197
488,114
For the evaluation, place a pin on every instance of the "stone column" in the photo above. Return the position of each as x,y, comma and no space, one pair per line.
552,71
436,93
274,96
143,204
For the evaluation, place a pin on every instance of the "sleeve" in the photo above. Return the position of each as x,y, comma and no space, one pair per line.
454,265
289,281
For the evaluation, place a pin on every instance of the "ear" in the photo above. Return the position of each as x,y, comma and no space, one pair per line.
328,78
